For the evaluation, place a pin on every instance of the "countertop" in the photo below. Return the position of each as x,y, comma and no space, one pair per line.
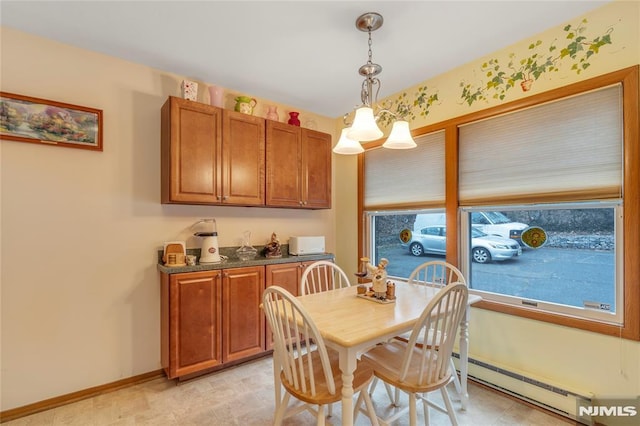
234,262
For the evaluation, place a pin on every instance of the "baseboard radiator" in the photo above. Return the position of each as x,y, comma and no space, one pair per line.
553,397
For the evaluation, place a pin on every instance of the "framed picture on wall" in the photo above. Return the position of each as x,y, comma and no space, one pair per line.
33,120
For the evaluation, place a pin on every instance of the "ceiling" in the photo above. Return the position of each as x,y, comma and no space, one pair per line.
300,53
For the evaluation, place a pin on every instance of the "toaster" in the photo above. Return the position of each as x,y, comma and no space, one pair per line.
300,246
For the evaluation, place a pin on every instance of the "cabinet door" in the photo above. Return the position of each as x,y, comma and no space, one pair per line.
194,322
316,169
243,159
243,322
283,164
285,275
191,150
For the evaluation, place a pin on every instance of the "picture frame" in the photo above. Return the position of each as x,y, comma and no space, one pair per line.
35,120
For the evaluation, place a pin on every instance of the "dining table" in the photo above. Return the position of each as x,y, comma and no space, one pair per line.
351,325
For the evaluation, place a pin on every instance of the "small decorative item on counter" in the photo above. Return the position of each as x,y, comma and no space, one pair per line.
191,260
174,253
245,104
293,118
272,250
189,90
216,96
272,113
362,289
246,251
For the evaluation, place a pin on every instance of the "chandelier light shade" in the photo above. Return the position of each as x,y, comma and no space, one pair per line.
365,127
400,137
347,146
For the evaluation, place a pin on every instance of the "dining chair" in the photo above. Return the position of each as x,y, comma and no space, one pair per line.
416,368
309,373
437,273
322,275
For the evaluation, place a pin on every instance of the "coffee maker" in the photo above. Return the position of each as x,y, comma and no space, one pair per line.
207,230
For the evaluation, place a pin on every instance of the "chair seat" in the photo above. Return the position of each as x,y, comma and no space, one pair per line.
361,378
387,359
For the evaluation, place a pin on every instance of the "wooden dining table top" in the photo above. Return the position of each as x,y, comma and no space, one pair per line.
348,320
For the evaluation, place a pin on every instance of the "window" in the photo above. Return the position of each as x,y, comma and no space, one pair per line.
573,271
566,161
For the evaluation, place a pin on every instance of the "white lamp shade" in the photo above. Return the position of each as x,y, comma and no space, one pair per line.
400,137
364,127
347,146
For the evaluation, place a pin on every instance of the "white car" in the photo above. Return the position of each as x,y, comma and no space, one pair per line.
484,248
496,223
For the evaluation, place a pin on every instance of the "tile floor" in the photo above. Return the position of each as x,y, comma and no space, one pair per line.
243,396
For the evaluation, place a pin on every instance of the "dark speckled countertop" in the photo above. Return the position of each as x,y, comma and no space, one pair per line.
234,262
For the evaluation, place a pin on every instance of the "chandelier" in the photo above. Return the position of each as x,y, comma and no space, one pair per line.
364,127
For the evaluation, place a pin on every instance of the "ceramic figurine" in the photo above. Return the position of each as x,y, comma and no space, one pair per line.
379,278
273,248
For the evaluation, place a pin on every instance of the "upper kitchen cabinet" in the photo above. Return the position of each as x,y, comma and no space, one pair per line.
298,167
211,156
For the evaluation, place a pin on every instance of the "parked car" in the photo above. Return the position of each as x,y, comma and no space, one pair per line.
496,223
484,248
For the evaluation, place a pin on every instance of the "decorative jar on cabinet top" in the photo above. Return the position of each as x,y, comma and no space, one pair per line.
245,104
293,118
272,113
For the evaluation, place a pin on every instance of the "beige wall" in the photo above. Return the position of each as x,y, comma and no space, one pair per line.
80,229
589,362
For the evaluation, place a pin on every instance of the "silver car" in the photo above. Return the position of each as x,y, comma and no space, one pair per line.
484,248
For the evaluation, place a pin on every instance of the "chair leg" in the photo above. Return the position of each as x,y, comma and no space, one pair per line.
373,418
329,410
425,408
413,417
280,410
447,403
396,399
456,380
320,416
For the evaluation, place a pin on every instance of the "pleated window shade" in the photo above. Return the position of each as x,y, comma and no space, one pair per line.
399,176
572,145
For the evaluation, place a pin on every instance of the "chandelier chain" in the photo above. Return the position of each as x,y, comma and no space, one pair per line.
370,43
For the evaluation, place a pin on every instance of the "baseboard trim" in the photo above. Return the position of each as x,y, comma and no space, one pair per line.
36,407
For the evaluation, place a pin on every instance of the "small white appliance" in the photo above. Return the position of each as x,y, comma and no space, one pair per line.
207,230
300,246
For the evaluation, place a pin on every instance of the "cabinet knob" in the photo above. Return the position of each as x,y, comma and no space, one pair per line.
225,197
217,197
305,203
300,202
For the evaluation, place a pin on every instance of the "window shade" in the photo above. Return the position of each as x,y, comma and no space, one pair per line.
399,176
573,144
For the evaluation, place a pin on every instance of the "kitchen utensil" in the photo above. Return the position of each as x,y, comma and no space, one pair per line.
207,230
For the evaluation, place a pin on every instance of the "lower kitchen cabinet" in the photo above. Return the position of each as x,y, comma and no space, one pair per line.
243,324
288,276
211,318
191,312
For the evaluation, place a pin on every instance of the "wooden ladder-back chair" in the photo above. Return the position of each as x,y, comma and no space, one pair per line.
322,275
416,368
437,273
309,373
